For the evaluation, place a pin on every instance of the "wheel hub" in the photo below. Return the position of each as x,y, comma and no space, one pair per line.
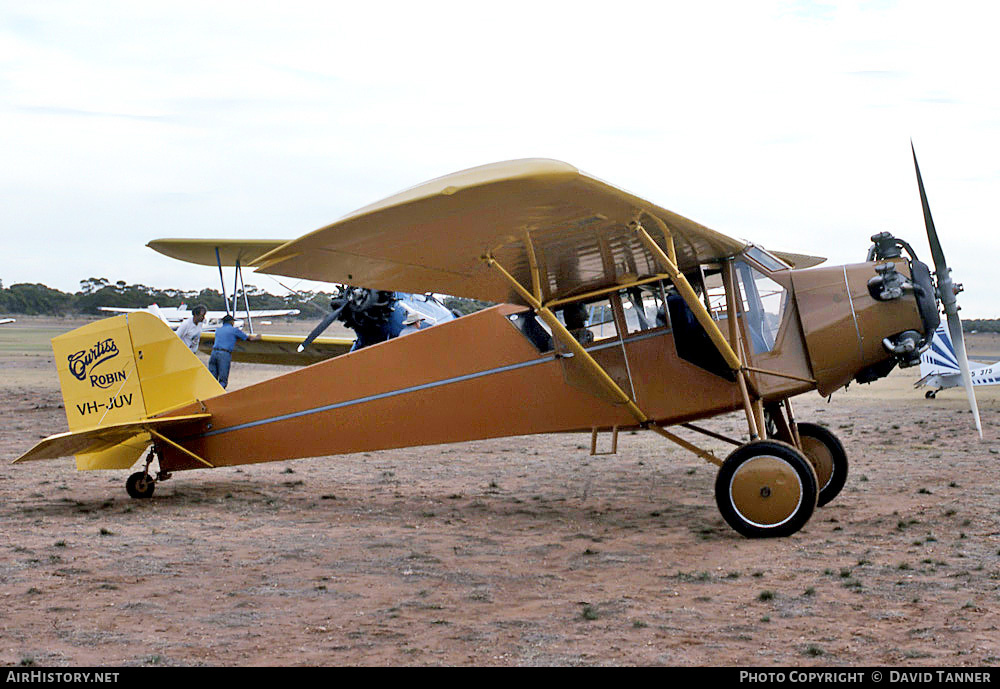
766,491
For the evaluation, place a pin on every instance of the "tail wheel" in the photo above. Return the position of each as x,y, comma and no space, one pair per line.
140,485
826,453
766,488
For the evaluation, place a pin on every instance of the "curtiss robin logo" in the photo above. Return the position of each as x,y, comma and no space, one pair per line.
84,361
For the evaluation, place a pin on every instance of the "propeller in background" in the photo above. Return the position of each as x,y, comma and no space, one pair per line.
947,291
324,324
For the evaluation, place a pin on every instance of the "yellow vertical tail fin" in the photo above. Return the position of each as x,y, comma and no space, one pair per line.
122,369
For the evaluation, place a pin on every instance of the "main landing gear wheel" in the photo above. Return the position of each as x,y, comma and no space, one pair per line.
930,394
140,485
826,453
766,488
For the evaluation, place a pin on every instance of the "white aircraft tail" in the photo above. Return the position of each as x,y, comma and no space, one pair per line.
939,366
940,358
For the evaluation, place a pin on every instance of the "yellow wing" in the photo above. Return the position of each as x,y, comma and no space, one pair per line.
203,251
432,236
799,260
282,349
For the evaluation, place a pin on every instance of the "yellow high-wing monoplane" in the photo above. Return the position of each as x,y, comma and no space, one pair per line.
613,314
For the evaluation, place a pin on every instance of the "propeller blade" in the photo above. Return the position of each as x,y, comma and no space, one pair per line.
957,339
940,265
323,325
947,291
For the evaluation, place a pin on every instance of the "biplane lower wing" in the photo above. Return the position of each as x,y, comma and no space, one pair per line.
282,349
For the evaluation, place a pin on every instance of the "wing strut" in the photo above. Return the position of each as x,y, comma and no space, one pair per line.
559,331
733,358
222,280
237,285
564,335
755,418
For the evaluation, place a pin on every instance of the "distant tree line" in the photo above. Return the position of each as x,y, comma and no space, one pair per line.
39,300
982,325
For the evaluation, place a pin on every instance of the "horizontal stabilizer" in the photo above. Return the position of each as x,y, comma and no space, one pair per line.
103,437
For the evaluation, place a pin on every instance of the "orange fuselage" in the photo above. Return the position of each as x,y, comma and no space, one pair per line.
480,377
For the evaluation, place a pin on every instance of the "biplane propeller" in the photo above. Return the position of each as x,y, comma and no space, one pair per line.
368,312
613,313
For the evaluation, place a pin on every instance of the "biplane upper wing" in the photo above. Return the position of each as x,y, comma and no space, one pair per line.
213,252
573,227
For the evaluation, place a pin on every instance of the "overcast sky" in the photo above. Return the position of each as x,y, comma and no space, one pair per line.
787,123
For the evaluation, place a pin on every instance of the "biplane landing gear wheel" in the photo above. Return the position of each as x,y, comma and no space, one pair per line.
766,489
930,394
828,458
140,485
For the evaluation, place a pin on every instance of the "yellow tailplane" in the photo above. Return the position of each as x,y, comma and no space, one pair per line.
116,374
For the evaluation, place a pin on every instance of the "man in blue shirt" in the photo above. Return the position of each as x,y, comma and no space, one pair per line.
222,353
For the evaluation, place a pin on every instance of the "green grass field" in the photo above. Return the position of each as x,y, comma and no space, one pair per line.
30,337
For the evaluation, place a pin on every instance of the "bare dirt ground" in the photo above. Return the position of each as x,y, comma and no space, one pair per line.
522,551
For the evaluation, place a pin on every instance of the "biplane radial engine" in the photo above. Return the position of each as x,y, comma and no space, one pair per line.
613,313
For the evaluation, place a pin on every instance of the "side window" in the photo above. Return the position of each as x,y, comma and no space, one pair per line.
533,329
644,307
588,323
692,342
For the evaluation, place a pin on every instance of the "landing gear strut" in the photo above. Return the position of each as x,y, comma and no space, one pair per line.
821,447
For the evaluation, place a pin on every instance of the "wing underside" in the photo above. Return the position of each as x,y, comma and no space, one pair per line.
212,252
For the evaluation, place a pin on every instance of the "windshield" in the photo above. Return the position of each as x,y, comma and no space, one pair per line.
763,306
766,259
